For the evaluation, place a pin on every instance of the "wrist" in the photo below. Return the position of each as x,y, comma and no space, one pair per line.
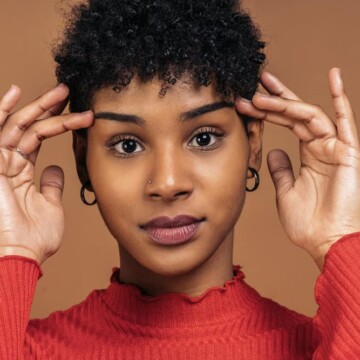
319,254
20,251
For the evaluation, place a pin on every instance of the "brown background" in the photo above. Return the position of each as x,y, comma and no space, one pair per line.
305,38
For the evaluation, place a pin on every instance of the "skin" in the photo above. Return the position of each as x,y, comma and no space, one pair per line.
183,176
316,208
322,204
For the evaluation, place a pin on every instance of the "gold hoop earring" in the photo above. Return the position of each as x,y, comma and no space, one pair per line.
82,194
255,174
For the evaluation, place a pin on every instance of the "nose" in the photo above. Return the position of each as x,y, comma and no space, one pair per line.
169,177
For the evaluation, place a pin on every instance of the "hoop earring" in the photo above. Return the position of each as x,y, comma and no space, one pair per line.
257,180
82,195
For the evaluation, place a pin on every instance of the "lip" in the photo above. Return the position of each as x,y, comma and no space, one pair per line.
167,231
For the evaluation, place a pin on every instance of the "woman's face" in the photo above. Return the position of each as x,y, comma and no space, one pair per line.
151,157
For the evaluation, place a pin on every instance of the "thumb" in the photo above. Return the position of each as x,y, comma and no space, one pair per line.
281,171
52,183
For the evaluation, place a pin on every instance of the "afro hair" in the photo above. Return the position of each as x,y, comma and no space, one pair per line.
108,42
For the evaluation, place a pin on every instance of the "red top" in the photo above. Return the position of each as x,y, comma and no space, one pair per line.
229,322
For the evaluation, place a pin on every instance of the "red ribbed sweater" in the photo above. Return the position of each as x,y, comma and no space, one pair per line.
229,322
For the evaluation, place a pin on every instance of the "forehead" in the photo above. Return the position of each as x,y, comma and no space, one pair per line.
142,96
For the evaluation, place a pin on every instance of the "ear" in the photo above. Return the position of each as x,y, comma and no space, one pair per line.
255,129
80,150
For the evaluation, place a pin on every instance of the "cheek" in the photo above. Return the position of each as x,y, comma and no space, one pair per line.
224,177
222,185
219,180
116,187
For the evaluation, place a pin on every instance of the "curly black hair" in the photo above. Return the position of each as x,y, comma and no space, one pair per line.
108,42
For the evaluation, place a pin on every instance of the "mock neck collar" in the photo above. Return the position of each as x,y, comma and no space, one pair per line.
217,304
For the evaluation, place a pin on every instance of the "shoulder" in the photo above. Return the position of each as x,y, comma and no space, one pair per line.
269,315
78,317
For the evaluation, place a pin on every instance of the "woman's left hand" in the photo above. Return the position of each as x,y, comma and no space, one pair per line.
322,204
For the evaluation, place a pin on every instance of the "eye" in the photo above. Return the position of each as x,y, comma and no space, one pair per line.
125,146
206,139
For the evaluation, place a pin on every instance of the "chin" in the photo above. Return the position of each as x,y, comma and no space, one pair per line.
171,262
173,269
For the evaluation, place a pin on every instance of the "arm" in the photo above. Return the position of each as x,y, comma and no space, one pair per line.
337,293
321,206
18,279
31,221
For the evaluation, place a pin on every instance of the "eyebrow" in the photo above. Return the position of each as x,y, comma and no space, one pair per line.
188,115
120,117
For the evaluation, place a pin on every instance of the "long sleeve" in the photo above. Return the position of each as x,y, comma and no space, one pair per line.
229,322
18,279
337,292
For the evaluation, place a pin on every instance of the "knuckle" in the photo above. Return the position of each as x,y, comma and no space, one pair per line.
280,169
39,135
51,113
5,111
281,93
340,114
317,109
52,184
22,126
9,147
291,124
263,116
41,107
335,95
284,108
35,131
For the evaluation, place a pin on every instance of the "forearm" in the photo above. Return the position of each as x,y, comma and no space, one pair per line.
337,293
18,279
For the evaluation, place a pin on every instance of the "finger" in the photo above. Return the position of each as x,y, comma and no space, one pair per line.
275,87
19,121
345,117
313,117
246,107
298,127
281,172
55,110
52,184
51,127
8,102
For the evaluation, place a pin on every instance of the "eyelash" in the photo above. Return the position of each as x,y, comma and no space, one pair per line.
110,144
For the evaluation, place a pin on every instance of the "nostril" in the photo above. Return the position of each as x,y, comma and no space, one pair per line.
182,193
173,196
156,196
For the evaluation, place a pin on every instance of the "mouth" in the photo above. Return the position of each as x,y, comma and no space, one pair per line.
167,231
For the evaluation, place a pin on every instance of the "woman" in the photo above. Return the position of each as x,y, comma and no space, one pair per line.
165,135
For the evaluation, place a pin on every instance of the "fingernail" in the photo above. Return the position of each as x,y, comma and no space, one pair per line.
11,92
262,95
12,89
244,100
270,75
340,74
87,112
339,79
61,86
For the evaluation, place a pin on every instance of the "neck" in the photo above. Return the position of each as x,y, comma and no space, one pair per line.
215,271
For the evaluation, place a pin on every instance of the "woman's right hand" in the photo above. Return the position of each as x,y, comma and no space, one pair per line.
32,221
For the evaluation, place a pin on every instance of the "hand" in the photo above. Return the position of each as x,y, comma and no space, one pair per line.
323,203
32,221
